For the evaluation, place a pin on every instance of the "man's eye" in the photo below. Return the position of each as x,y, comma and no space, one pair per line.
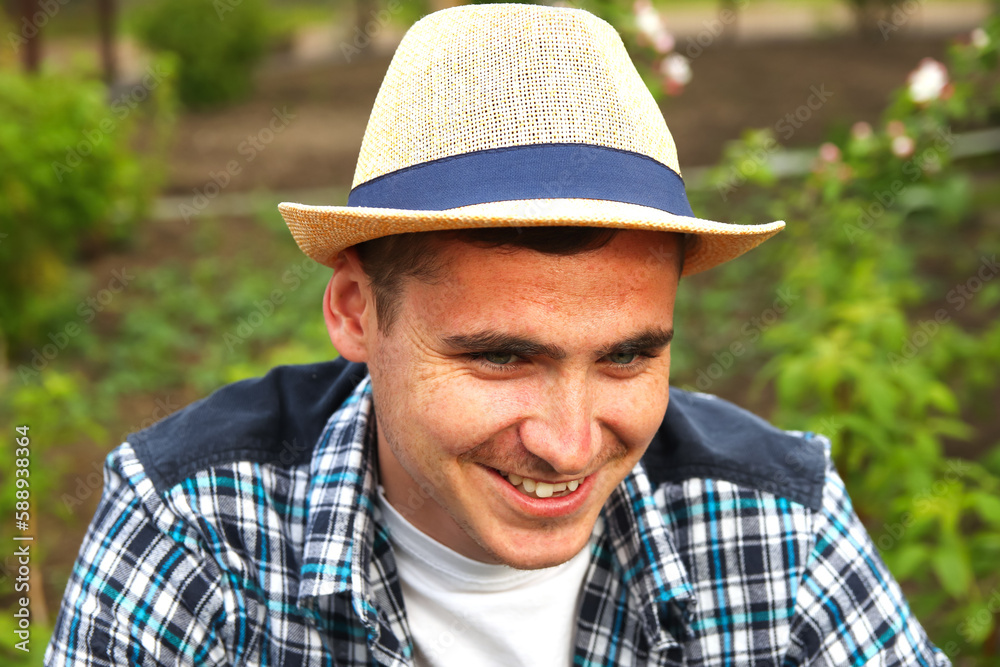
622,358
498,358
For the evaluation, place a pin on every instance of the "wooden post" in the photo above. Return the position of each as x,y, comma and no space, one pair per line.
31,48
363,10
106,16
444,4
729,31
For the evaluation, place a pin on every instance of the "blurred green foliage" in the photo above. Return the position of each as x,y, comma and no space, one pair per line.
879,241
78,172
179,330
210,322
71,183
218,44
887,339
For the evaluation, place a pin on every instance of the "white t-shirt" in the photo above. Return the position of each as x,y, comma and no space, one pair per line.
463,612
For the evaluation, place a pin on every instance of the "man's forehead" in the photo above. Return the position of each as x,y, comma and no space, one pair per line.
632,260
485,296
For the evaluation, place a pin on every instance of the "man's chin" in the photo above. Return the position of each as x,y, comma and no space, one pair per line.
537,551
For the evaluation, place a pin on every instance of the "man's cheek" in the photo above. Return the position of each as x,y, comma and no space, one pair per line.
456,419
472,412
635,416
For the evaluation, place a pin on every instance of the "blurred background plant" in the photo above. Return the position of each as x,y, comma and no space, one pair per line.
891,343
651,44
218,44
872,318
75,179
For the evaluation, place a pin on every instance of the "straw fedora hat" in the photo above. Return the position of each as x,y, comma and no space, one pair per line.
514,116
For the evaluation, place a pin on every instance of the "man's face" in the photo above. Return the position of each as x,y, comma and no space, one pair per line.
552,368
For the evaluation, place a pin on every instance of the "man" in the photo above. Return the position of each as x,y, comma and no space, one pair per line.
496,471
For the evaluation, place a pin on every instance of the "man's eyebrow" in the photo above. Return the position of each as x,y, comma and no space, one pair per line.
653,339
650,340
494,341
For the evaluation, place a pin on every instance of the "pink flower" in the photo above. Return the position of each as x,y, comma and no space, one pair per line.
902,147
829,152
979,39
651,27
647,19
931,163
927,81
895,128
664,42
861,131
676,68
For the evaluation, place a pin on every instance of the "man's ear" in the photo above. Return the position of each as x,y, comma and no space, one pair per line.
348,308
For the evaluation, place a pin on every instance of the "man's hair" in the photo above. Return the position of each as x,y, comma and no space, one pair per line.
389,260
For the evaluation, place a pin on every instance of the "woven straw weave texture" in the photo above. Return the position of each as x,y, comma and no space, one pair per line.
556,76
481,77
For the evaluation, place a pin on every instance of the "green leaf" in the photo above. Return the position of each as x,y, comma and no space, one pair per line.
907,559
988,507
953,569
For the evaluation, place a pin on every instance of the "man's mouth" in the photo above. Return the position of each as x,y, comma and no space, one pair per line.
536,489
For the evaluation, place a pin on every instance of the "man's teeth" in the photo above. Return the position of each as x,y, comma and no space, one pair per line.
530,487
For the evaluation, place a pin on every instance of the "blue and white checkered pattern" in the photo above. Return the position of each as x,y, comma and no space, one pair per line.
271,564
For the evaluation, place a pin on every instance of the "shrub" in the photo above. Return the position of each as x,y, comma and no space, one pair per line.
42,419
70,182
218,45
892,330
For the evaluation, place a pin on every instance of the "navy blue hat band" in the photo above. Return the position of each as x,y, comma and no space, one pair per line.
538,171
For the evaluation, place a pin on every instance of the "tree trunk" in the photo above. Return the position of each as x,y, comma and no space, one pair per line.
444,4
106,26
31,32
729,28
363,10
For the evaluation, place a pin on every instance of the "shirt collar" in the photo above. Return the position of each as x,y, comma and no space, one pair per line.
652,570
340,503
343,514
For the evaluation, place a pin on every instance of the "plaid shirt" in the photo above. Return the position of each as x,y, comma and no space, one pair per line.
228,557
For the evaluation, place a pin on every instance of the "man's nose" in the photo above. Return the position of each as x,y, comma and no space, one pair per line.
563,432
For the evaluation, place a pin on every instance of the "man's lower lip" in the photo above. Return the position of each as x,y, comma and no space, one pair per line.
543,507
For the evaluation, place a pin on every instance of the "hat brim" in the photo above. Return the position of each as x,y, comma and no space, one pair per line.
323,231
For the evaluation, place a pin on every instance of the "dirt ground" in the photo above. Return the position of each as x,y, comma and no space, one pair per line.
322,109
